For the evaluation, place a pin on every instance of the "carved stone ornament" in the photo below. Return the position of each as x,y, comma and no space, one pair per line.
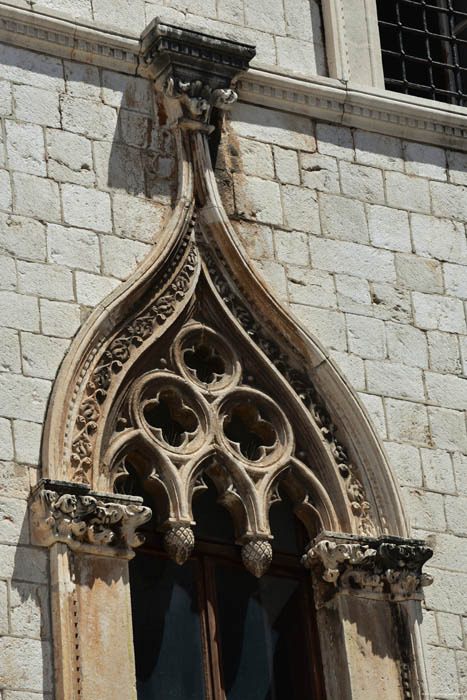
388,568
84,520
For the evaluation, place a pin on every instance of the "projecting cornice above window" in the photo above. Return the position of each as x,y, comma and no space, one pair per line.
332,99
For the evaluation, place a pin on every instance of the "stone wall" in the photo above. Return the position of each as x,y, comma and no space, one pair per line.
363,236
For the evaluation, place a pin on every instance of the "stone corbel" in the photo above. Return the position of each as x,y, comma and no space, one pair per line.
195,69
385,568
86,521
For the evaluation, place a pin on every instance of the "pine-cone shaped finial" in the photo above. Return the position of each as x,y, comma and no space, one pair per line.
257,556
179,542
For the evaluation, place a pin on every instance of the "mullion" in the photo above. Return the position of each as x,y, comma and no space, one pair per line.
213,633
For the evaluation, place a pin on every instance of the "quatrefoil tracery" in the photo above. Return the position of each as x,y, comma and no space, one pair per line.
197,416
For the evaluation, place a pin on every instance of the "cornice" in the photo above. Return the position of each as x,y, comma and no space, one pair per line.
328,99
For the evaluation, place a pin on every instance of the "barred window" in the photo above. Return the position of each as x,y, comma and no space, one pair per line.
424,47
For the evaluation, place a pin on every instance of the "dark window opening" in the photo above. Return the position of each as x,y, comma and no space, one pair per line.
209,630
424,48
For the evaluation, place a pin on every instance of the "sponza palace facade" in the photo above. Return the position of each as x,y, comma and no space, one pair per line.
234,349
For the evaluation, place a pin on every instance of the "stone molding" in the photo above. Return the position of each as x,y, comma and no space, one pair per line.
385,568
331,99
87,521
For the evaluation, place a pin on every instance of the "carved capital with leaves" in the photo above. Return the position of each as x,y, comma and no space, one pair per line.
385,567
103,524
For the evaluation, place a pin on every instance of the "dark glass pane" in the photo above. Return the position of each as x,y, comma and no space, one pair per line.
284,527
263,645
166,629
213,521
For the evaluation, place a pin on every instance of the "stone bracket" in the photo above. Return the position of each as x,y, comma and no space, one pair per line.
383,568
87,521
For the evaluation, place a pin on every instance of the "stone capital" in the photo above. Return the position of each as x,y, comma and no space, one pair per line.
194,68
85,520
386,567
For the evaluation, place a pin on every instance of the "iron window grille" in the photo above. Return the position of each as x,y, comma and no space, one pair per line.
424,48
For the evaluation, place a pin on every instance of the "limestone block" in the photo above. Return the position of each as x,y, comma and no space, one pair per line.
258,199
335,141
59,319
119,90
82,80
69,157
25,147
437,470
120,167
352,259
93,119
7,273
35,674
256,239
23,397
301,208
19,311
362,182
33,104
5,190
22,237
135,129
406,344
120,13
448,428
366,336
449,201
6,440
320,172
445,390
279,128
3,608
300,56
396,380
230,11
138,218
51,281
14,479
73,247
463,346
327,326
91,289
444,352
438,313
443,672
457,163
389,228
456,508
419,273
31,68
257,18
405,459
5,98
449,552
42,355
450,630
24,563
36,196
461,657
121,256
406,192
343,218
14,519
10,355
379,151
425,509
455,278
256,158
274,274
439,238
312,287
460,471
75,8
353,295
27,441
374,406
447,592
287,168
425,161
86,208
352,367
407,421
303,19
29,610
292,247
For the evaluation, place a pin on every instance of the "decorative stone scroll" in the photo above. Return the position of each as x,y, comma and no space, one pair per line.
86,521
385,567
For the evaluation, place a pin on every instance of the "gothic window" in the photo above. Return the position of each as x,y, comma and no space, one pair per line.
424,47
